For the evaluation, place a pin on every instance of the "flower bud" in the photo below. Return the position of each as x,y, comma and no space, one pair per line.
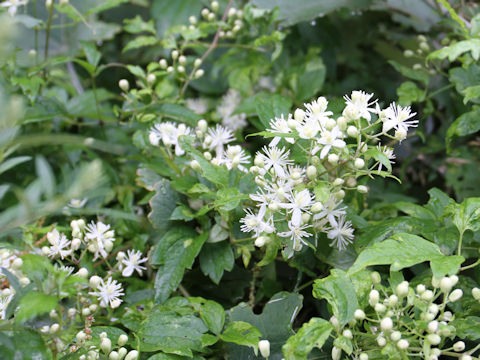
348,334
106,345
381,341
339,195
132,355
86,312
338,182
336,353
122,340
466,357
375,277
380,308
151,78
359,314
393,300
396,335
359,163
427,295
299,115
402,289
408,53
122,352
362,189
195,165
330,124
363,356
455,295
402,344
374,297
400,134
432,326
420,289
459,346
334,322
17,263
114,356
264,347
93,307
342,123
54,328
81,336
352,131
180,68
48,3
386,324
333,159
311,172
175,54
94,281
446,284
72,312
261,241
163,63
476,293
124,85
434,339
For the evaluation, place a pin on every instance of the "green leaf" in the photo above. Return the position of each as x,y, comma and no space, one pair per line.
404,250
471,93
91,52
344,343
137,71
45,174
33,304
175,252
112,333
163,204
379,156
171,333
228,199
310,335
11,163
182,212
137,25
213,316
466,216
464,78
140,41
466,124
274,323
446,265
310,80
25,344
292,12
147,178
216,174
215,259
452,52
438,202
105,5
418,75
467,327
269,106
241,333
409,93
340,293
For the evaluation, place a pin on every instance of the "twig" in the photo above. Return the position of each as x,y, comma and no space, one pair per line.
212,46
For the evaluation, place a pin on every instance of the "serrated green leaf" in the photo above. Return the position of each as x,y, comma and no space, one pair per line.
241,333
215,259
310,335
408,93
452,52
138,25
340,293
33,304
140,41
466,124
213,316
163,204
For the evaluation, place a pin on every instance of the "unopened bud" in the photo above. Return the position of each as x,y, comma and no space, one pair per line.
124,85
264,347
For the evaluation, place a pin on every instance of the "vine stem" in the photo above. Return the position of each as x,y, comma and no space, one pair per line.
459,250
212,46
47,34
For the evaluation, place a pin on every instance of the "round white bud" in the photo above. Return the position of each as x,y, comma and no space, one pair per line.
122,340
348,334
476,293
181,69
336,353
362,189
375,277
330,124
93,307
211,17
432,326
106,345
316,207
17,263
374,297
214,5
339,195
420,289
163,63
454,279
72,312
113,356
380,308
264,347
151,78
466,357
299,115
381,341
402,344
132,355
386,324
427,295
192,20
400,134
333,320
455,295
86,312
195,165
261,241
175,54
231,12
393,300
408,53
402,289
122,352
311,172
54,328
446,284
459,346
363,356
124,84
333,159
359,163
199,73
342,123
81,336
338,182
182,59
434,339
95,281
352,131
396,335
170,69
359,314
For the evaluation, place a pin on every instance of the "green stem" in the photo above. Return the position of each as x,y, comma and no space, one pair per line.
470,266
47,34
459,250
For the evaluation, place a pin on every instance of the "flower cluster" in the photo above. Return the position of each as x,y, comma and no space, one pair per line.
299,197
110,350
11,262
383,324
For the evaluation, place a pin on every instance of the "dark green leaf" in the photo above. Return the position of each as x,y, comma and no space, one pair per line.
163,204
215,259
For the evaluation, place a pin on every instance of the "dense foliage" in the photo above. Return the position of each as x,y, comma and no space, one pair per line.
239,179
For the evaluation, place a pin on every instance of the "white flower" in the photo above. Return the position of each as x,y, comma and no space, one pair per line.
4,301
317,109
395,117
341,234
13,5
358,106
218,138
108,293
276,158
280,126
132,263
226,110
169,133
329,139
330,212
297,234
77,203
298,203
100,238
58,244
255,222
234,157
198,106
309,128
